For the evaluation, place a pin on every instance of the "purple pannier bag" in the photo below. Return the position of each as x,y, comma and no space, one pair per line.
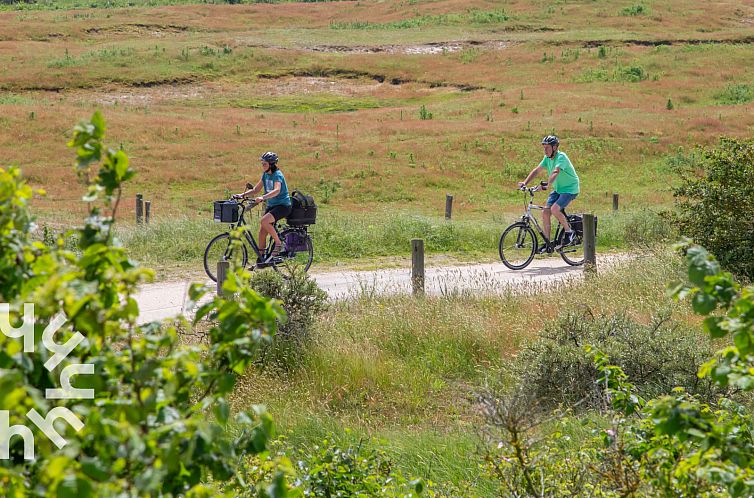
295,242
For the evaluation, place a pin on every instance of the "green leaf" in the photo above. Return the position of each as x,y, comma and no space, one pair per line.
712,327
75,487
703,303
95,469
222,411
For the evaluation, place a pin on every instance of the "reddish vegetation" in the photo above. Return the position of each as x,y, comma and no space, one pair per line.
193,115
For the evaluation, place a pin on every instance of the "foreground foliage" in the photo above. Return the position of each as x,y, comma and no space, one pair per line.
158,421
671,445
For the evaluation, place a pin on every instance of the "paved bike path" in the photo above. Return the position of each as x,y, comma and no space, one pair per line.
168,299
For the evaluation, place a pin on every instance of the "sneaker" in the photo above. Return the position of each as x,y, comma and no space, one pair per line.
567,240
280,250
544,249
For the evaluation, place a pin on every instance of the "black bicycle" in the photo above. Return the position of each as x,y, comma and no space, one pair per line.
298,243
519,243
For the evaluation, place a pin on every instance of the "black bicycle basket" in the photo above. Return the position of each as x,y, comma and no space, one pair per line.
226,211
303,210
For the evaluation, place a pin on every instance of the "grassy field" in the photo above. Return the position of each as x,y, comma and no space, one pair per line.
194,93
406,373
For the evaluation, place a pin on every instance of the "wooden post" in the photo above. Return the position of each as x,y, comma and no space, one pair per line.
417,266
147,211
139,208
448,206
222,272
590,243
615,202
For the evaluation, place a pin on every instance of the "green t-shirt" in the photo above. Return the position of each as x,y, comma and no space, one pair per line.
567,181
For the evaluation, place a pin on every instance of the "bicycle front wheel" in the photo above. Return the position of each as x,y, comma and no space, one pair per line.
517,246
223,248
300,253
574,253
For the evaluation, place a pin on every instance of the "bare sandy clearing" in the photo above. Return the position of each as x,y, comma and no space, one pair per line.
423,49
153,30
264,87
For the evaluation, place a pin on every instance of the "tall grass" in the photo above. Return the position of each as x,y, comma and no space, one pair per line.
407,371
349,237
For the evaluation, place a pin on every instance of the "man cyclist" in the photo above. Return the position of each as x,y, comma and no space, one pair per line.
565,184
278,203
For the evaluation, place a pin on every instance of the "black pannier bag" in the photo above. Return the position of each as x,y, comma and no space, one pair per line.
226,211
303,210
577,223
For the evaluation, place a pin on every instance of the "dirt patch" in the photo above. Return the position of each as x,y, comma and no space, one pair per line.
308,85
144,96
423,49
152,30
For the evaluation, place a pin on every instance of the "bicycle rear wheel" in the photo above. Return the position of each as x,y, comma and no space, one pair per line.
222,248
574,253
517,246
300,252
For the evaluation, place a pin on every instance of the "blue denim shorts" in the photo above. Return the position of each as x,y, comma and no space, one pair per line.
561,200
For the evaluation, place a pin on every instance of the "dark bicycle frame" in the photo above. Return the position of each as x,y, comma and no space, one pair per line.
249,236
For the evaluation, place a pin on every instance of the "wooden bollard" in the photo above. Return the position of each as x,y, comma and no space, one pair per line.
448,206
417,267
590,243
139,208
147,211
615,202
222,272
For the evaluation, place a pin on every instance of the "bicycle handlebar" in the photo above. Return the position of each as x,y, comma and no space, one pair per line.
244,200
536,188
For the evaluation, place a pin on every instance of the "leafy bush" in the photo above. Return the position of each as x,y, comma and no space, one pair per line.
634,10
302,301
632,74
736,94
673,445
424,113
657,357
714,202
329,470
157,421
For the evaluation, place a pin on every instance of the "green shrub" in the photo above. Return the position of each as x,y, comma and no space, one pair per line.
631,74
657,357
360,470
302,301
672,445
714,202
634,10
424,114
736,94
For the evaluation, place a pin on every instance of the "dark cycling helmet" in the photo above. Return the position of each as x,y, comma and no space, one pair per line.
550,140
270,157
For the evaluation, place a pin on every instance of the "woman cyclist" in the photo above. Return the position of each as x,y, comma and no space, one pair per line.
278,203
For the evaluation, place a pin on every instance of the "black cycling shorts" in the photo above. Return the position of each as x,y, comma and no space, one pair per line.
279,212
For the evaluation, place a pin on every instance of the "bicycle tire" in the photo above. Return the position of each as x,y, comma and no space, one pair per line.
520,241
219,249
574,253
300,259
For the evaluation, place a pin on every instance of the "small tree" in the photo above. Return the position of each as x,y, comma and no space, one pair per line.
715,201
